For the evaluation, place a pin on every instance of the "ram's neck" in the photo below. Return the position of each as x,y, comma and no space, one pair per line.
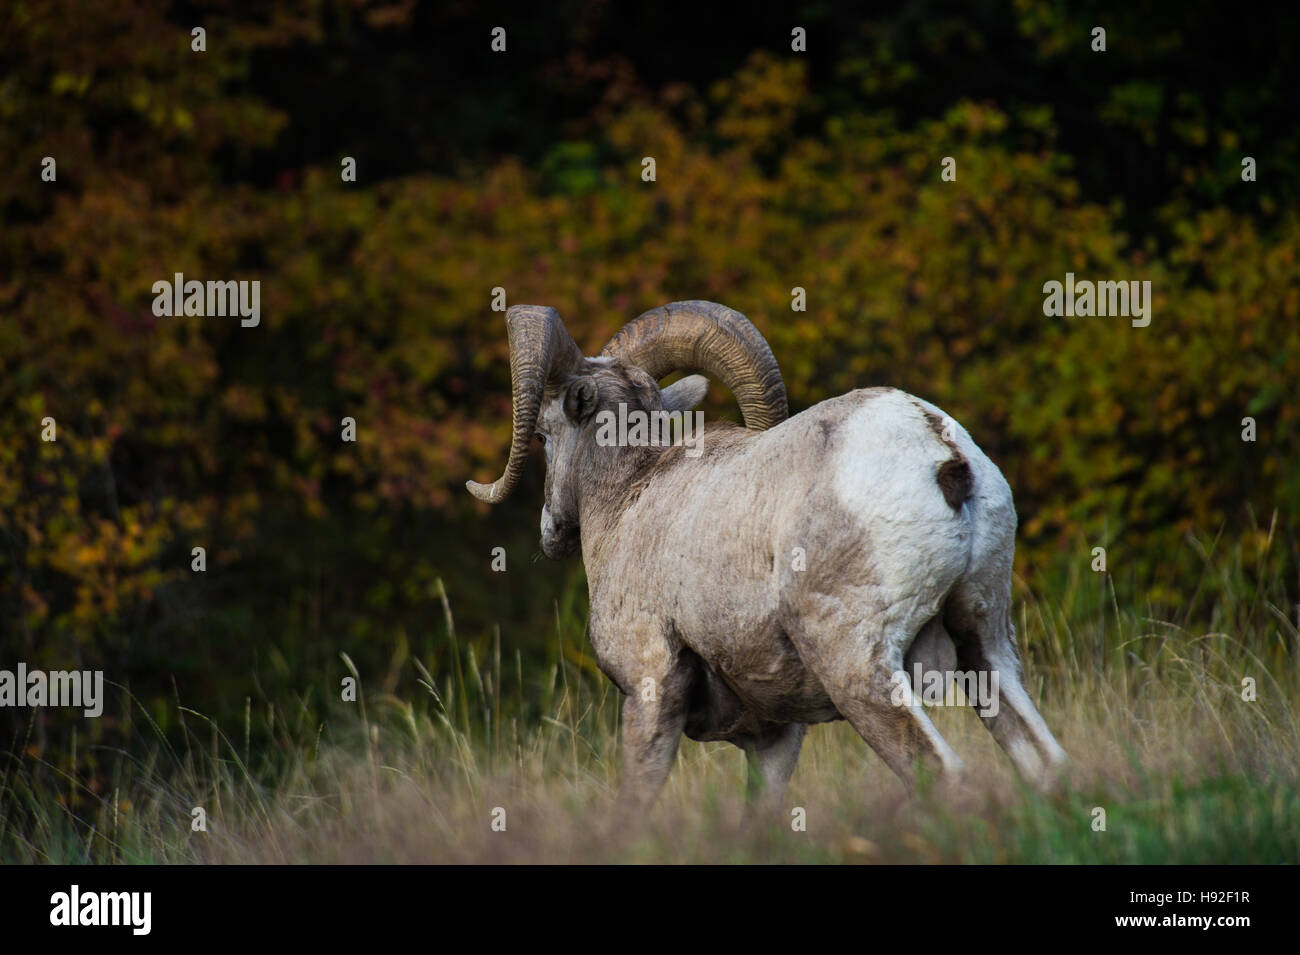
612,479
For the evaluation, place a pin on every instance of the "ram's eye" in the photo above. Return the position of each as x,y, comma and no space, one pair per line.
542,438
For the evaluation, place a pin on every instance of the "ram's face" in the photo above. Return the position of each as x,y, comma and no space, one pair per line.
567,424
561,426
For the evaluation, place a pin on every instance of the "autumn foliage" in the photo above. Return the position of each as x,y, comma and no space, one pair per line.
779,173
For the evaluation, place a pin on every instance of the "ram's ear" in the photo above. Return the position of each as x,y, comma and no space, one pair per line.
685,394
580,399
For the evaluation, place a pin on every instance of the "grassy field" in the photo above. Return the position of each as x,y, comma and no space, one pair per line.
1144,691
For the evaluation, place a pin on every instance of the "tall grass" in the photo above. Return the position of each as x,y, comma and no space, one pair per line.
1142,684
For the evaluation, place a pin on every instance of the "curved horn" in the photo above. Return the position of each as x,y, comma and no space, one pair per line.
713,339
542,355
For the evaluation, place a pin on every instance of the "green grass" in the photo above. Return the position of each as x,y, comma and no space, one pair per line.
1145,695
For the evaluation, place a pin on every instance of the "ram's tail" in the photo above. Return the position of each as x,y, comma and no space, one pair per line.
956,480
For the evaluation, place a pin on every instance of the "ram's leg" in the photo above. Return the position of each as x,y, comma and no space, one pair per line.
861,667
654,714
986,651
769,763
889,716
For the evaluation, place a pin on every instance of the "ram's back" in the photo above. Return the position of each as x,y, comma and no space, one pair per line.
866,489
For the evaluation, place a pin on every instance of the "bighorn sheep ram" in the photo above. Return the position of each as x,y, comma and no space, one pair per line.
700,614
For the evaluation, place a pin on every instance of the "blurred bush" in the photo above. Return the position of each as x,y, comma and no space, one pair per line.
781,171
